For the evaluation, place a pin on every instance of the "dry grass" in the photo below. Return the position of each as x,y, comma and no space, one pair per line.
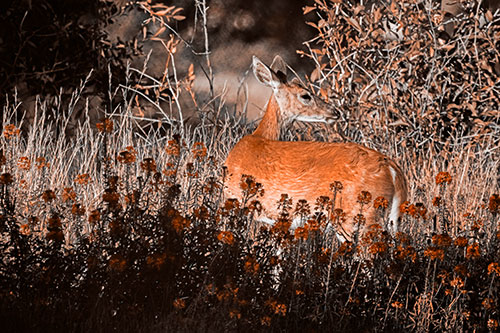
112,230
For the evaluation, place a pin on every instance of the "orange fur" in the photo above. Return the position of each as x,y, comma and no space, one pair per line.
305,170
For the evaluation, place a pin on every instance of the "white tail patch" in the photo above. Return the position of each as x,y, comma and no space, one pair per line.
396,201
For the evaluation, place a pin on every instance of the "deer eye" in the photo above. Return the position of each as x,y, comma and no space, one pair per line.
305,98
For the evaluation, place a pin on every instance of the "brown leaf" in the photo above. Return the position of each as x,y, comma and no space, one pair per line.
315,75
489,15
308,9
377,15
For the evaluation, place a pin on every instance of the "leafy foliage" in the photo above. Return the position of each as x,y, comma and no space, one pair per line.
113,231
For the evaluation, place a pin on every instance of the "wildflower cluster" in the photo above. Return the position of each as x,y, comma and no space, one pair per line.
140,237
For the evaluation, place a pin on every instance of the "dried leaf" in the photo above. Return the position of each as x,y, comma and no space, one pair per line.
312,25
377,15
315,75
160,31
358,9
354,23
308,9
489,15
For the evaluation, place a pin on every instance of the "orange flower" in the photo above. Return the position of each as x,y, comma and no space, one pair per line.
250,187
148,165
339,216
406,252
461,269
180,223
380,202
303,207
6,179
105,127
299,292
251,265
494,204
226,237
55,235
54,223
301,233
48,196
68,194
443,178
170,170
404,207
489,303
255,206
434,252
494,268
199,151
231,204
378,248
360,219
117,263
336,187
442,240
473,251
265,321
436,202
277,308
281,227
234,314
157,260
312,225
364,197
24,163
461,241
322,203
110,197
41,163
179,303
95,216
127,156
10,130
25,229
421,210
373,232
492,324
397,305
403,237
173,148
82,179
77,210
457,282
476,225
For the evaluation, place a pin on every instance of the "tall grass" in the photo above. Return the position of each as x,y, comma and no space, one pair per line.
111,228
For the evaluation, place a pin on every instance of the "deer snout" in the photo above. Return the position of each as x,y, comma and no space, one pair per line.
330,120
332,115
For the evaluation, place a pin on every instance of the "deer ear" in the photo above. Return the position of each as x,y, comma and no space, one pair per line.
264,74
279,67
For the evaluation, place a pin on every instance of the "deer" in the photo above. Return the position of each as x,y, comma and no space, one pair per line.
304,170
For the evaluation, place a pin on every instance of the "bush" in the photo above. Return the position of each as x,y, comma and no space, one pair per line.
117,231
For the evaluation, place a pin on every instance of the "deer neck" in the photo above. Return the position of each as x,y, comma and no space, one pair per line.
270,125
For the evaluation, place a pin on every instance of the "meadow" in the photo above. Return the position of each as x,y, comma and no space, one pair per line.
110,228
